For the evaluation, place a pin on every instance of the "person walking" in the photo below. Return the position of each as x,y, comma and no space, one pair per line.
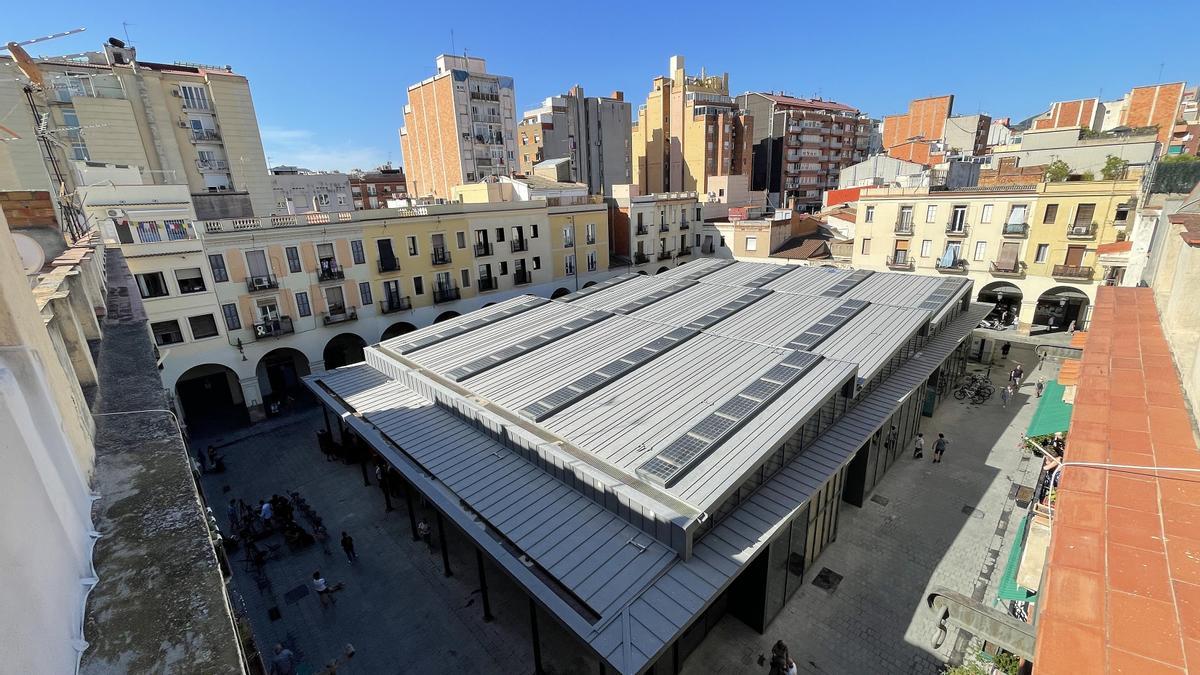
381,475
1041,386
1005,349
1005,394
283,661
322,589
939,447
919,446
1020,371
348,547
235,515
265,510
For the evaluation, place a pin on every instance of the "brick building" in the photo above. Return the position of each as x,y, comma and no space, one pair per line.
372,189
913,136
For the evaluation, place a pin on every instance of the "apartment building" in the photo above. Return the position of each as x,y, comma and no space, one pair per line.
688,130
1031,249
801,145
302,191
373,189
915,135
176,123
764,234
593,132
1156,105
459,127
656,232
1082,151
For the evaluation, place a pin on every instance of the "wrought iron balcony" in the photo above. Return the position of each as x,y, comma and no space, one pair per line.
591,240
685,250
685,225
446,293
488,283
642,229
521,277
440,256
330,271
957,229
664,227
339,315
483,248
1081,231
398,303
518,245
664,255
1015,229
206,135
212,164
1073,272
959,266
276,327
900,262
389,264
1014,269
903,228
261,282
640,258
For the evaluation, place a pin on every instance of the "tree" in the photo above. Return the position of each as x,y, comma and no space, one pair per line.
1088,175
1114,168
1057,171
1179,159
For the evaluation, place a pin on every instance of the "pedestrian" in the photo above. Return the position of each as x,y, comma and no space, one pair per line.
1004,350
1050,324
423,533
348,547
939,447
1041,386
265,510
283,662
1071,327
214,460
322,536
322,589
1005,393
919,446
1020,375
234,514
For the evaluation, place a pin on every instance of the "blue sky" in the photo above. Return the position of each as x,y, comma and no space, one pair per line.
329,79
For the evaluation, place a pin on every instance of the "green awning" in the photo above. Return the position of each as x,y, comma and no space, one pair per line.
1052,414
1009,590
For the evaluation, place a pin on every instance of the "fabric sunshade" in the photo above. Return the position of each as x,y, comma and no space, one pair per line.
1052,414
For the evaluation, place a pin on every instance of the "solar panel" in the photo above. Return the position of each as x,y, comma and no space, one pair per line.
738,407
468,326
724,311
608,283
651,298
525,346
839,289
682,449
707,269
942,294
828,325
713,426
764,279
658,469
780,373
681,333
761,389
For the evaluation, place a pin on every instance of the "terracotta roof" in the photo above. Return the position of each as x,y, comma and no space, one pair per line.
801,248
1122,588
1079,339
1068,372
1114,247
809,103
1191,226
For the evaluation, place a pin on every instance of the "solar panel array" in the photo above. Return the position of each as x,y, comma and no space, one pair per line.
764,279
525,346
722,312
818,332
682,454
853,279
942,294
705,270
607,283
610,372
651,298
468,326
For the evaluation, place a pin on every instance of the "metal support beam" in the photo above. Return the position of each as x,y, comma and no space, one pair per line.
537,640
442,541
412,513
487,604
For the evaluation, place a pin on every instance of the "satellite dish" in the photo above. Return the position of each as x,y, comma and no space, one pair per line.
32,255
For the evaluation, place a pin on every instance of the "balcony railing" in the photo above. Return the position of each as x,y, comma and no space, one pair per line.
484,96
519,245
642,229
664,255
440,256
569,242
591,240
485,118
664,228
273,327
1081,231
959,266
903,228
1073,272
339,314
685,225
900,262
330,271
483,248
1008,269
488,283
212,164
398,303
206,135
194,104
446,293
389,265
261,282
685,250
521,277
957,229
641,258
1015,229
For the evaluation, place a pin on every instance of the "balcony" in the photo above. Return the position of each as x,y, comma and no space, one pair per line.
440,256
959,266
591,240
446,293
664,255
212,165
519,245
1081,231
1015,230
685,225
339,315
206,135
261,282
484,118
488,284
400,303
685,250
1073,272
389,265
522,277
904,229
664,228
640,258
273,328
1014,269
642,229
569,242
484,96
483,248
195,104
330,271
957,229
900,262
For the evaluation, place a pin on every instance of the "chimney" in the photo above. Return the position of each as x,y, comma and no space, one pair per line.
618,95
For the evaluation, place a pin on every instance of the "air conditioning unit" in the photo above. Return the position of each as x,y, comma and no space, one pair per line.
115,213
175,93
183,124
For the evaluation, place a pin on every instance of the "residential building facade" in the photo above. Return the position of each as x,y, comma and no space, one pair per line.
300,191
689,129
801,145
1156,105
1081,151
915,136
459,127
593,132
656,232
373,189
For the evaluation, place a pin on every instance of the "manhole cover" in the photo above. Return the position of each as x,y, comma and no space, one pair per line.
827,580
972,511
296,594
880,500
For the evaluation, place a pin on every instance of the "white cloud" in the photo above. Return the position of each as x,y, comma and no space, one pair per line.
301,147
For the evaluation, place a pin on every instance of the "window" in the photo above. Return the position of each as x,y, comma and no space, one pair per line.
341,199
569,268
148,232
980,250
412,246
418,286
217,262
926,247
906,215
870,217
590,230
203,326
166,332
190,280
461,239
302,306
1043,252
537,262
503,268
568,236
866,246
466,278
323,199
533,231
1051,213
751,243
364,292
293,258
986,215
499,235
639,220
176,229
698,216
356,252
152,285
591,261
1122,214
931,213
194,97
232,321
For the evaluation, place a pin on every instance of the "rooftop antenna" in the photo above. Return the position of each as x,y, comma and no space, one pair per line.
125,25
1160,69
452,50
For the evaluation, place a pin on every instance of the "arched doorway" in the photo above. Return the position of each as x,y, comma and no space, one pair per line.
396,330
1007,299
663,269
210,398
559,292
1058,309
343,350
642,272
279,372
445,315
589,284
